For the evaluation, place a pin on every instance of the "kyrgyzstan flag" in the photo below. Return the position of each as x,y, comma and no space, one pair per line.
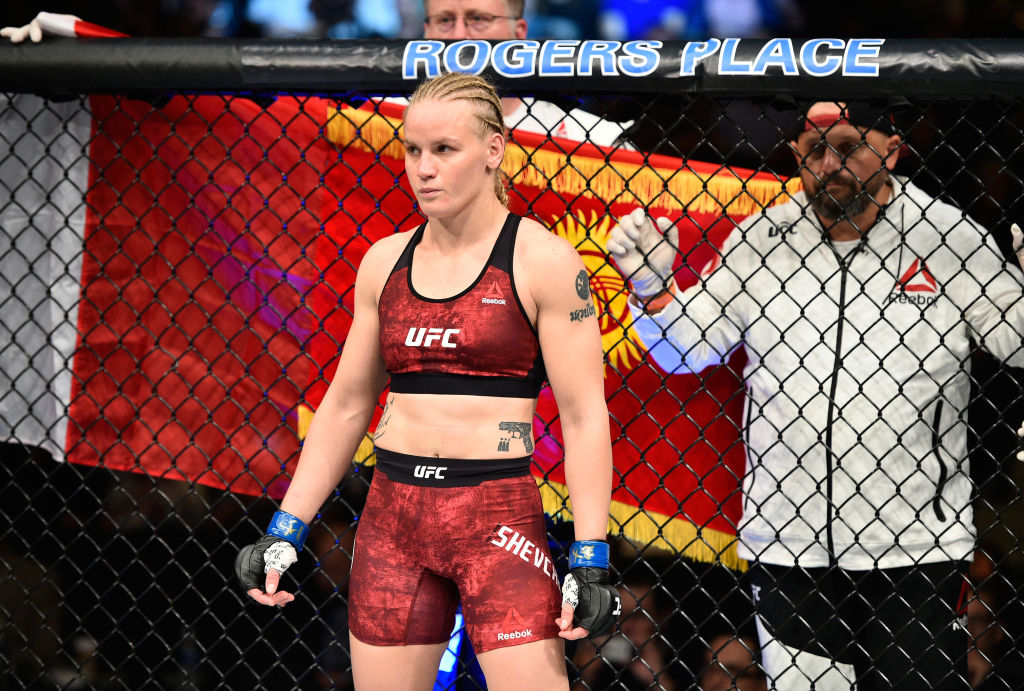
676,438
184,274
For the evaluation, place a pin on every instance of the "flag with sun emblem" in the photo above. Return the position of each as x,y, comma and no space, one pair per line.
676,438
268,241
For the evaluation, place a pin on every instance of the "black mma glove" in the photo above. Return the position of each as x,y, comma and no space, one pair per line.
275,550
596,604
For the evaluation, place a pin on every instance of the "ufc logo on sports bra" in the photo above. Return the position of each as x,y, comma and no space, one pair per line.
426,471
427,337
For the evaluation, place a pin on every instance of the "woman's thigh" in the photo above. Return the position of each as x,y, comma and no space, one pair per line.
395,667
536,665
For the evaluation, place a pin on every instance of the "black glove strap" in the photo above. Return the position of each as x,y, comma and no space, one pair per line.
599,603
249,566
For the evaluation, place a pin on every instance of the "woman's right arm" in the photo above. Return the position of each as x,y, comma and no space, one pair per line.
334,434
341,420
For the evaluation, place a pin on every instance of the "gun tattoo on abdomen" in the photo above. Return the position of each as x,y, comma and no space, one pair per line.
515,430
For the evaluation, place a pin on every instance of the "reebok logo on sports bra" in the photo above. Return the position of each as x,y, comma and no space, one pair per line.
493,296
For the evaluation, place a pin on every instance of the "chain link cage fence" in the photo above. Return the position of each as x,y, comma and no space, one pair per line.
182,221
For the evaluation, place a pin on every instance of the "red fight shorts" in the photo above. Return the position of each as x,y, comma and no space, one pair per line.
419,549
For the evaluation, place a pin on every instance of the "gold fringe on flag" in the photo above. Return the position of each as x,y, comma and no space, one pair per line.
649,529
719,191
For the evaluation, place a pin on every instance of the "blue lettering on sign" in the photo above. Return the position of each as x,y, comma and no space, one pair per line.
556,58
821,68
425,53
694,52
423,58
777,52
727,63
640,58
818,57
515,58
857,49
455,54
604,52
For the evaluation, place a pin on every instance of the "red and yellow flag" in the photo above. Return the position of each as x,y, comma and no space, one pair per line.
677,445
221,246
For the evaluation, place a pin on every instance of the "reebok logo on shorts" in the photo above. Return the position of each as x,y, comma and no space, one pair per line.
511,541
514,621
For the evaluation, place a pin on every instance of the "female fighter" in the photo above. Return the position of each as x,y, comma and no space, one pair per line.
468,314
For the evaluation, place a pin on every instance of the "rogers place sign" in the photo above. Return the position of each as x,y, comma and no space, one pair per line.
818,57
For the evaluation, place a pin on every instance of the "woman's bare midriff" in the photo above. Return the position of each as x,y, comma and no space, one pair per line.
446,426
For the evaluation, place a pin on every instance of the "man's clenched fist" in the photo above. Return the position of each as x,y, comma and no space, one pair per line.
645,251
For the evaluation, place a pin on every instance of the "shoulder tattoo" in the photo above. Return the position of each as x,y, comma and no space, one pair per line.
582,285
582,313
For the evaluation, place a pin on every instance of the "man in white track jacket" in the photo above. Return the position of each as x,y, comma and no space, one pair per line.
858,304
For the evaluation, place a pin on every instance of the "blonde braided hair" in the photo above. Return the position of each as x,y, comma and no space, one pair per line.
456,86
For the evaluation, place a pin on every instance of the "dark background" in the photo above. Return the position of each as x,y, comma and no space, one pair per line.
618,19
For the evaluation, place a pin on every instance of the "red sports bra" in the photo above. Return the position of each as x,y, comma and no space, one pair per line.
477,343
